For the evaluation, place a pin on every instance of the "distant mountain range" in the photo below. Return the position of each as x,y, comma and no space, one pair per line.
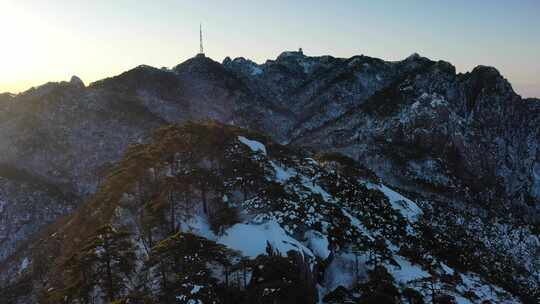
464,147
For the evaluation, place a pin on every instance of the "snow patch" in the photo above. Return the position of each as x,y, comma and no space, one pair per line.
254,145
282,174
24,264
406,271
484,292
415,105
198,225
196,289
251,239
535,187
356,222
408,208
318,243
307,66
315,188
255,70
447,269
345,270
435,100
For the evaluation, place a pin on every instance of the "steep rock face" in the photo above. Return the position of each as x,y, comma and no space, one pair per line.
458,133
27,204
318,89
76,81
412,121
66,134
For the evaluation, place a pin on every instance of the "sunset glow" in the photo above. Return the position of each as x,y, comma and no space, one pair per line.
52,40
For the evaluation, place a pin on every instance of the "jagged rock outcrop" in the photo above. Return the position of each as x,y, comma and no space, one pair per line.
413,121
459,134
76,81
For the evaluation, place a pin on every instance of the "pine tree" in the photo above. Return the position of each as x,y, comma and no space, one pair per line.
245,173
105,261
111,254
380,287
181,264
152,218
82,280
279,279
378,251
430,284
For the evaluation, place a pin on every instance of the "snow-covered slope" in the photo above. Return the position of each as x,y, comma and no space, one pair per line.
266,204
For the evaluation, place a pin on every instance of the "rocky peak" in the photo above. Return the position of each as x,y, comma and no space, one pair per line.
487,77
245,66
227,60
291,55
486,90
76,81
445,67
297,62
200,67
413,56
140,78
198,64
414,62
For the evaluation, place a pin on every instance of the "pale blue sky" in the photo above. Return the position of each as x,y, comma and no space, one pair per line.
52,40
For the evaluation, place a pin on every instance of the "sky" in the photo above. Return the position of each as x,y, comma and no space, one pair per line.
51,40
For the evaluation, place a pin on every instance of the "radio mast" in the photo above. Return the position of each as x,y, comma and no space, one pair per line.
201,52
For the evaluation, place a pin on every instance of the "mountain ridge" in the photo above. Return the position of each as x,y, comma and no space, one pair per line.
465,141
227,60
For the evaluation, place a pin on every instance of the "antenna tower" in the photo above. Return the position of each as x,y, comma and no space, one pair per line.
201,40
